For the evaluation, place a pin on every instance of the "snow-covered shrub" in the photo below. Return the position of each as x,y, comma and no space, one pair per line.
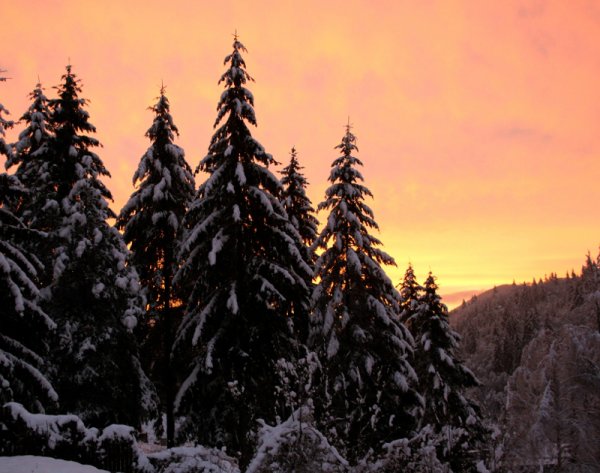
428,451
295,445
118,450
63,436
415,455
66,437
193,460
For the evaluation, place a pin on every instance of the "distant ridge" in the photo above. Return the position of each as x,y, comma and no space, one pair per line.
536,350
455,299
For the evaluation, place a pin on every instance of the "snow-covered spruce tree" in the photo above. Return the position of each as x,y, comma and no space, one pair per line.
32,158
368,393
443,380
297,204
410,295
151,221
24,326
244,259
94,296
302,216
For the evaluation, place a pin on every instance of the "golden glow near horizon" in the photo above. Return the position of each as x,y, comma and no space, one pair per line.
477,121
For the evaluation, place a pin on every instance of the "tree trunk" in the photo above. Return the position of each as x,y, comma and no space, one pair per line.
168,377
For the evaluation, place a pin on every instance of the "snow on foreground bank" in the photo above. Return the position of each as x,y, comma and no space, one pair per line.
31,464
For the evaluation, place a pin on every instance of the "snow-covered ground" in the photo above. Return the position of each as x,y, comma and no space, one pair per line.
31,464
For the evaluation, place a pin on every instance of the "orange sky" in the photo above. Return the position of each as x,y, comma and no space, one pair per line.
478,122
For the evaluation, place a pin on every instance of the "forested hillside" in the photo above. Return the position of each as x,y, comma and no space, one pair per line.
536,350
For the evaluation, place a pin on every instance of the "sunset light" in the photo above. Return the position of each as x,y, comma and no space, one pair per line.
281,236
477,122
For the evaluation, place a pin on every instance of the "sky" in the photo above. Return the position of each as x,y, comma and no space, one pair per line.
477,122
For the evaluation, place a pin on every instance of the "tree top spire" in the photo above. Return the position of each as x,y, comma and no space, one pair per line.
237,46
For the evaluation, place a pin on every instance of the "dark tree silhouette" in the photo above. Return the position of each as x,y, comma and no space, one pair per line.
368,387
243,260
151,221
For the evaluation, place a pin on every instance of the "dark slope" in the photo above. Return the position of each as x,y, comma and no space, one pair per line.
536,350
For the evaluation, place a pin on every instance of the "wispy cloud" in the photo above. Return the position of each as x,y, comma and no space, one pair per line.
523,134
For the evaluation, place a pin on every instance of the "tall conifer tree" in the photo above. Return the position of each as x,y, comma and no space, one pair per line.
151,221
94,295
245,261
366,351
297,204
302,216
24,326
410,295
443,381
32,158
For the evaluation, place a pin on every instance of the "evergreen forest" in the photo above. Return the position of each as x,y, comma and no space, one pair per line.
218,326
